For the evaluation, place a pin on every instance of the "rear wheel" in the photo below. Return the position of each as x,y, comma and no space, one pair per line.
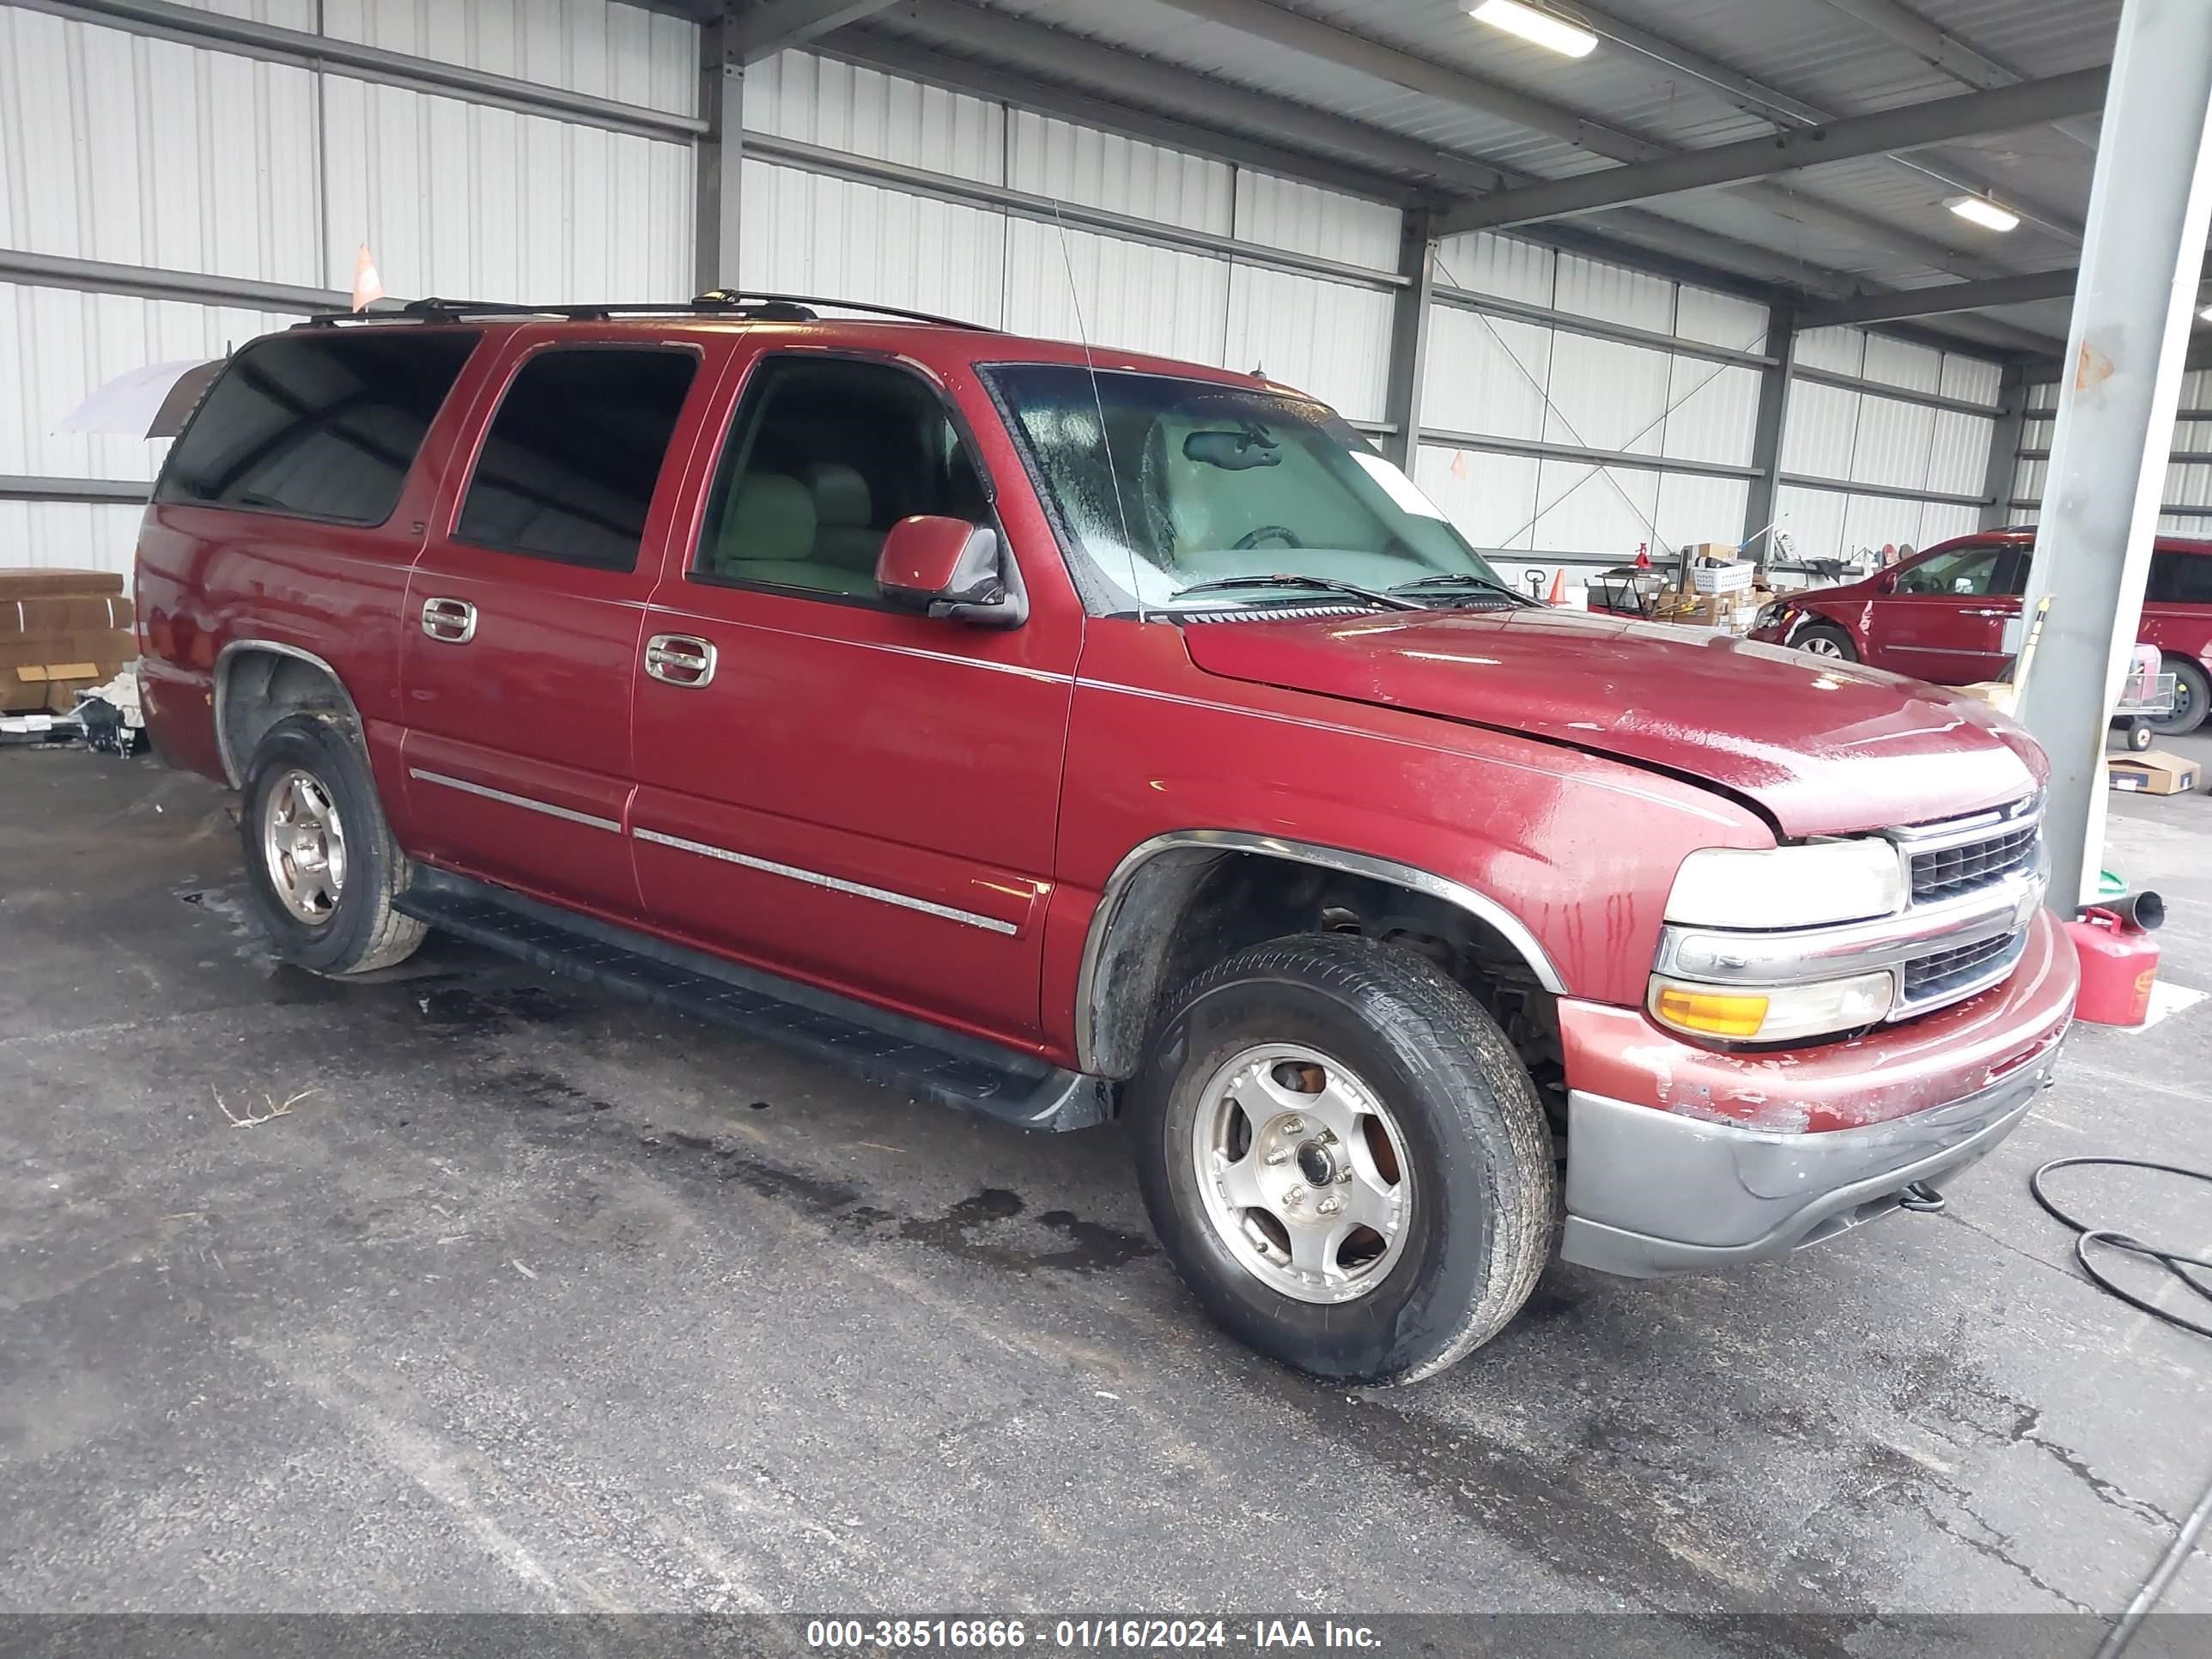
2193,698
1344,1157
320,857
1826,640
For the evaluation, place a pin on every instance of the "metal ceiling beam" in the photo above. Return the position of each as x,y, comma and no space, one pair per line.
1264,22
1326,43
1944,299
995,55
766,28
1785,110
997,40
1912,127
1944,52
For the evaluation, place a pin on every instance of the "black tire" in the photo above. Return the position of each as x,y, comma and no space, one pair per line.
2139,735
2192,699
1484,1210
1829,635
361,931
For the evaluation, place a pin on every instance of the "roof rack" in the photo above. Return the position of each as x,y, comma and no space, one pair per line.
717,302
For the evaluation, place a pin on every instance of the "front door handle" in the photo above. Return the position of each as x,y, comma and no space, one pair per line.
452,621
680,660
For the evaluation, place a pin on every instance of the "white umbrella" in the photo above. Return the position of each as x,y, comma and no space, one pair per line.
145,402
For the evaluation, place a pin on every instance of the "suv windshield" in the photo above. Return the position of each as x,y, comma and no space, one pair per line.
1209,482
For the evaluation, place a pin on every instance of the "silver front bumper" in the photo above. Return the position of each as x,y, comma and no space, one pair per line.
1650,1193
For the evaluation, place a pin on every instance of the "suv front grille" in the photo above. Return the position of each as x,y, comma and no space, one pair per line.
1943,976
1949,872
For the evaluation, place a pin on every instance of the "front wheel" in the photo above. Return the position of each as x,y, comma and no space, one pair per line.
1826,640
2193,698
1344,1159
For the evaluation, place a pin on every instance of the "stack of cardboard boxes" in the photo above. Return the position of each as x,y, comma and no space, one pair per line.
1717,592
61,632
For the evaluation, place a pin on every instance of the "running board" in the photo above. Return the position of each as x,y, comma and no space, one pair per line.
944,1066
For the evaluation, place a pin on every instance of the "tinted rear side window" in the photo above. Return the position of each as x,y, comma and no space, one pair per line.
318,425
569,466
2180,579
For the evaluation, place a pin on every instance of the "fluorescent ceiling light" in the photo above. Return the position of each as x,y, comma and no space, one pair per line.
1982,212
1530,24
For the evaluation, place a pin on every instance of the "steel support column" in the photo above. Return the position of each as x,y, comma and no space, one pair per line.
2148,209
719,156
1762,501
1409,336
2004,447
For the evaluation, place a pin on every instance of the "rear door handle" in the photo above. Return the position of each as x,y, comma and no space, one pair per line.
680,660
452,621
1992,612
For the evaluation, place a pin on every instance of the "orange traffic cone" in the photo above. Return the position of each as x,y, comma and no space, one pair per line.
1558,593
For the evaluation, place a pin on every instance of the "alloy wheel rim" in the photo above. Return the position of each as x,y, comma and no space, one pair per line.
1821,646
303,846
1302,1172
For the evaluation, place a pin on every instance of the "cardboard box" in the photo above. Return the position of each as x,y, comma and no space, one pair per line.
50,618
2154,772
97,646
1723,552
22,583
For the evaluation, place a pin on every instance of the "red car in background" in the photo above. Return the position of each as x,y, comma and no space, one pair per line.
1941,616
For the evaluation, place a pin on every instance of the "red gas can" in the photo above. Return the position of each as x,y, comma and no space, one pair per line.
2119,962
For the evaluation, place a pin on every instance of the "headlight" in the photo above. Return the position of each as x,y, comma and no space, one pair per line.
1776,1014
1773,614
1805,886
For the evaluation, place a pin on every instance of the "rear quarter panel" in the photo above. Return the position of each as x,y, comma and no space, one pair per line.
210,578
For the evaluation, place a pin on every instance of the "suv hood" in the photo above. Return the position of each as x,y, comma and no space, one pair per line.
1823,747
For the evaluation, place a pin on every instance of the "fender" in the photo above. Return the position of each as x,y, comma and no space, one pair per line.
1195,848
224,658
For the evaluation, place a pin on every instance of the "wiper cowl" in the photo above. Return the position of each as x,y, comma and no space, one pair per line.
1388,601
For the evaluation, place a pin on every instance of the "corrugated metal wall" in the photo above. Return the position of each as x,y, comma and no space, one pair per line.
1500,379
2188,496
138,151
806,230
1850,436
122,148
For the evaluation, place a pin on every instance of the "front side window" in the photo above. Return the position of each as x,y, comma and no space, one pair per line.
1163,484
573,457
320,423
1964,571
825,456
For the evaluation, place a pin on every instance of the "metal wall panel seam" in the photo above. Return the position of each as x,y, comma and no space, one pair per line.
121,492
247,37
1461,299
1887,492
1580,454
862,169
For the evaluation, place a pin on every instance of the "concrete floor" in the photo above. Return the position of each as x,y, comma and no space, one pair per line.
537,1300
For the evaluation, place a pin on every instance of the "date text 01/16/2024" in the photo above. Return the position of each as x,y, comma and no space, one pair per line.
1047,1638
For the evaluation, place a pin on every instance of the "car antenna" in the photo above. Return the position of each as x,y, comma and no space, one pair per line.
1098,403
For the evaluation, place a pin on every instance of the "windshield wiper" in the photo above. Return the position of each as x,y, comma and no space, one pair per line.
1465,579
1389,601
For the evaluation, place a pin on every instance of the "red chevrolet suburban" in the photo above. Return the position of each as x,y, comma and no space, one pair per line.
1941,616
1063,734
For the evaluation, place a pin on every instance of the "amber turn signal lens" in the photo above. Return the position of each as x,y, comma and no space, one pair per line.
1711,1013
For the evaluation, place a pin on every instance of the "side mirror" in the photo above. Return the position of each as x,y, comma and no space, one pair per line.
948,567
1889,583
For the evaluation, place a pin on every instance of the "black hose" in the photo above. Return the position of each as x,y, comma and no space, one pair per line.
2177,1263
